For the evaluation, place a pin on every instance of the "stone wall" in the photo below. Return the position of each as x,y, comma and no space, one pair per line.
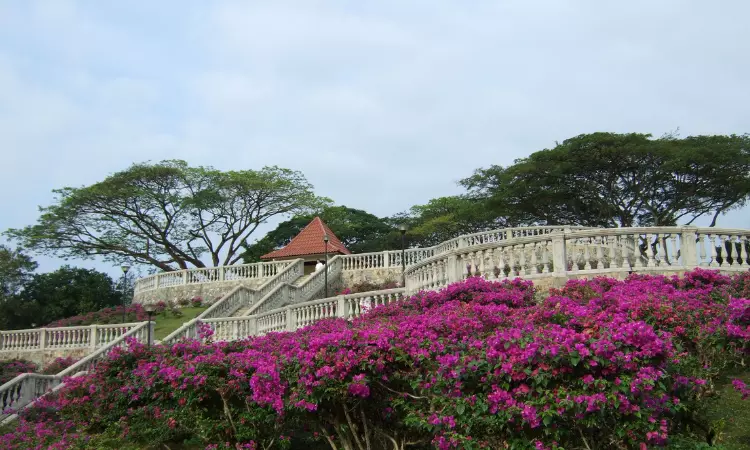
209,292
378,276
44,357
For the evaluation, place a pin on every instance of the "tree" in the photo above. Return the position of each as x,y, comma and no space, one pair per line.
358,230
444,218
167,215
66,292
15,270
607,179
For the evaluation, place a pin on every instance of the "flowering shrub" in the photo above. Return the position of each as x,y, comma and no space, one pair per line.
603,363
133,313
196,301
58,365
14,367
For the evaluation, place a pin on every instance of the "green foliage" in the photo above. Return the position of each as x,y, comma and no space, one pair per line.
167,215
608,179
358,230
15,270
444,218
65,292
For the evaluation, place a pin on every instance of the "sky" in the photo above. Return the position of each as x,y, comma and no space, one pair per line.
381,104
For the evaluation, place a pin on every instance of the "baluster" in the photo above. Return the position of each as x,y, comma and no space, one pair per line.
741,253
599,253
512,261
491,257
501,262
675,257
712,241
702,251
587,253
522,260
573,246
637,250
723,241
545,257
731,243
611,242
533,269
480,268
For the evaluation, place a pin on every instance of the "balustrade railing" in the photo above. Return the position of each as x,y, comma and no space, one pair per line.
392,258
36,339
210,275
583,251
27,387
236,299
293,317
287,293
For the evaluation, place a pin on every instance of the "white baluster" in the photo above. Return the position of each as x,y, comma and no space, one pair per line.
587,254
702,244
712,241
545,257
599,253
522,263
637,249
501,262
675,256
723,241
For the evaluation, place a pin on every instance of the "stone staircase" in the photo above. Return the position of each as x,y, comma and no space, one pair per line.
299,281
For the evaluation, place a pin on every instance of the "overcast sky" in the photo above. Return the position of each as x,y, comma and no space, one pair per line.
382,104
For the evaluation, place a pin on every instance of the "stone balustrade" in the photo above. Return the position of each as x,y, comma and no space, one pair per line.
210,275
571,253
300,315
238,298
209,283
40,339
24,389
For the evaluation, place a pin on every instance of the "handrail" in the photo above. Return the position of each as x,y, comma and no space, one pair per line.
299,315
235,299
210,275
301,293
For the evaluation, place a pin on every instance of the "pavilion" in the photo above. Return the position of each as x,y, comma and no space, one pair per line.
310,246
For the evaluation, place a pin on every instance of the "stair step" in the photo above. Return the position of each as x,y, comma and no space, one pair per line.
301,280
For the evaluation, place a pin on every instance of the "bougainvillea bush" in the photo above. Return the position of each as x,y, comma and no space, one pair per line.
12,368
602,364
58,365
133,313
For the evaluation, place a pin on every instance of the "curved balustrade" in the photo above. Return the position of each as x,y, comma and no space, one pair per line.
210,275
584,251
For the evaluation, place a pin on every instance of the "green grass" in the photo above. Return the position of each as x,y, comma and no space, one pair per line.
166,322
731,415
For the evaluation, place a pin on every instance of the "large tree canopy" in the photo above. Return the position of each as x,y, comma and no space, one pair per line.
167,215
607,179
444,218
15,270
358,230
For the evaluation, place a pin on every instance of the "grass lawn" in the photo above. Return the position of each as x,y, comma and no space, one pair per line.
731,415
167,323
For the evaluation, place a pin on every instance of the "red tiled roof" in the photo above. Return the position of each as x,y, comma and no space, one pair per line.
309,241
